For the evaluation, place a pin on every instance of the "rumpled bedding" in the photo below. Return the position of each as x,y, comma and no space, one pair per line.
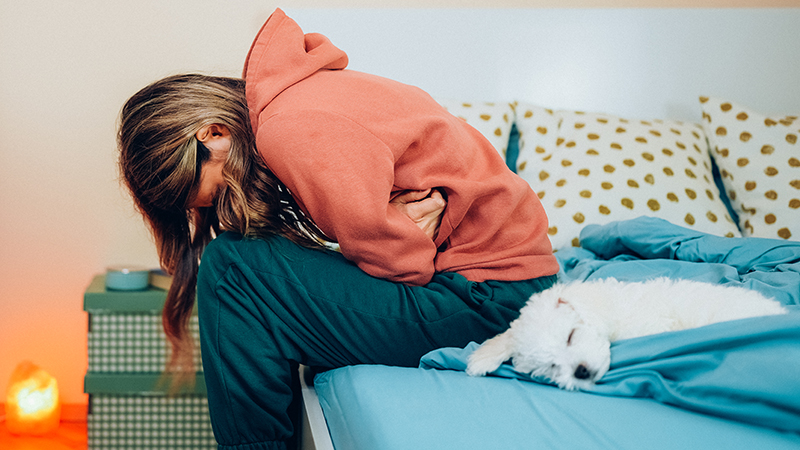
745,370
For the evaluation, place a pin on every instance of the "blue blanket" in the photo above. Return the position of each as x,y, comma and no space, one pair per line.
745,370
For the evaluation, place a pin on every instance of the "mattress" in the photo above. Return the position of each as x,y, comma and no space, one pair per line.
728,385
385,408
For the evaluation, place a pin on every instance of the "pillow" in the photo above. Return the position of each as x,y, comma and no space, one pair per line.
759,160
599,168
540,128
492,120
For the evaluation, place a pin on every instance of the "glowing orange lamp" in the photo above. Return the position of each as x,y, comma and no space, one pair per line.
32,403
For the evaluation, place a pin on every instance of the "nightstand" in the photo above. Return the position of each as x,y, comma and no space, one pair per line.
128,406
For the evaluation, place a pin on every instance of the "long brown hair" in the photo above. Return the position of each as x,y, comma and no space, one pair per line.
160,162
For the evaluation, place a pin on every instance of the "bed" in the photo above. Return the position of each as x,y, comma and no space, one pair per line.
676,156
729,385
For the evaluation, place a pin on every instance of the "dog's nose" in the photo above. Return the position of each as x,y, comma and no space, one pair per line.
582,373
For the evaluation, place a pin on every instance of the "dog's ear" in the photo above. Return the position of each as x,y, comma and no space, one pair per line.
562,303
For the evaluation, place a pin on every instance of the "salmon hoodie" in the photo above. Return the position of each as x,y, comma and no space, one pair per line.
344,143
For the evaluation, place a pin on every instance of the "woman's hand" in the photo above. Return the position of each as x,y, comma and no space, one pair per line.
424,208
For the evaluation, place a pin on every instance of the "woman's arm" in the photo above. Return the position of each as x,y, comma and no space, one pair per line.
343,177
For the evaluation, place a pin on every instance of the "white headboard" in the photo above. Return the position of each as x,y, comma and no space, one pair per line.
643,63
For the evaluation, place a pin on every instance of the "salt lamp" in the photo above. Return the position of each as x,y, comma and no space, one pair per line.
32,403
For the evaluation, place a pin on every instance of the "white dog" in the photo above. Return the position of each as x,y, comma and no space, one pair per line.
564,333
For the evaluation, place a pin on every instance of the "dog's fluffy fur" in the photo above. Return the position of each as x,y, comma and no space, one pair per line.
564,333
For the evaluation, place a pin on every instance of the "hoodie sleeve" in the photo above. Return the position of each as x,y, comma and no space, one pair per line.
343,176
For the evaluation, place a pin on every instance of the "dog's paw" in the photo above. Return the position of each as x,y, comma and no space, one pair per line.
480,366
490,355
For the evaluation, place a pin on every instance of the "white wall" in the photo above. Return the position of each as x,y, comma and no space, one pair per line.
648,63
66,67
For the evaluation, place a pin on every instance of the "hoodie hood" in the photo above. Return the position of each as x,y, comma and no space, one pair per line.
282,55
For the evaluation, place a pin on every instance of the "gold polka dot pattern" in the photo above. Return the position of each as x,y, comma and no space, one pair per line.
759,160
541,127
492,120
597,168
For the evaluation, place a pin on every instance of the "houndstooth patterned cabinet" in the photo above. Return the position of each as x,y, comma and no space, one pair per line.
127,348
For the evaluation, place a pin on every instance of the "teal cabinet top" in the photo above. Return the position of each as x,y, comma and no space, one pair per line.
99,300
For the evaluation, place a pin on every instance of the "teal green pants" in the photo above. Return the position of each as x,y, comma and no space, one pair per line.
267,305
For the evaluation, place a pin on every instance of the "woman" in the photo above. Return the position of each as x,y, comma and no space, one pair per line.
304,151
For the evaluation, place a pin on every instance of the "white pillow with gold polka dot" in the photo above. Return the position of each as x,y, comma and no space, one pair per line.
492,120
537,128
601,168
759,160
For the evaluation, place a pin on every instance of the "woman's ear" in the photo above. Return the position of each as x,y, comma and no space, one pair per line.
217,138
211,132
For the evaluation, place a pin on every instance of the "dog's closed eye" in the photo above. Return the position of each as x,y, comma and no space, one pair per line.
569,338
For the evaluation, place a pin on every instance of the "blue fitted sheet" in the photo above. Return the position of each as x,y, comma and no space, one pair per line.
388,408
728,385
